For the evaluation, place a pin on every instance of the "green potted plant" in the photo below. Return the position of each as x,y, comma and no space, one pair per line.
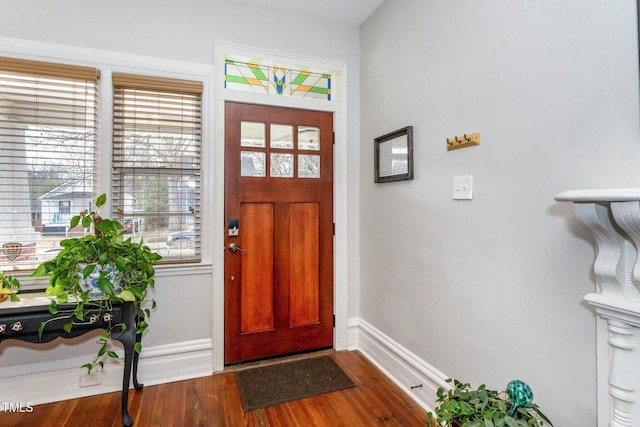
95,270
463,406
9,287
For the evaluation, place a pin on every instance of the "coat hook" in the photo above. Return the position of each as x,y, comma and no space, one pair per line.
466,137
458,141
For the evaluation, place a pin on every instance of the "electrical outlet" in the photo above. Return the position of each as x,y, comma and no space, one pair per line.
463,187
88,380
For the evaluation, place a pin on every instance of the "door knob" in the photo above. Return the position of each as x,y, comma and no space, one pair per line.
234,248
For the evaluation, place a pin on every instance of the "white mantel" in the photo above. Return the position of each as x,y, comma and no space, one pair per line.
613,217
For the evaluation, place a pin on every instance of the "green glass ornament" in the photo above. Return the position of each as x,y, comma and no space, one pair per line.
520,394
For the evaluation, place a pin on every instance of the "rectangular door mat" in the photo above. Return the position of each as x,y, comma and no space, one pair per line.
284,382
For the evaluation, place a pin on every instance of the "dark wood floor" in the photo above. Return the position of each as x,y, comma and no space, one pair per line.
215,401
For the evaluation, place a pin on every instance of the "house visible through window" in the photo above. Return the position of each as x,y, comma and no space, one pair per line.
48,145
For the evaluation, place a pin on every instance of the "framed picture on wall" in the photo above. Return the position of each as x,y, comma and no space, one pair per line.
393,157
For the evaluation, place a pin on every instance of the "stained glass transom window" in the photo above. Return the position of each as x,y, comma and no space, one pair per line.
260,78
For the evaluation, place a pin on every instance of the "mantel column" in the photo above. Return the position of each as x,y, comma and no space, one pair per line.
613,217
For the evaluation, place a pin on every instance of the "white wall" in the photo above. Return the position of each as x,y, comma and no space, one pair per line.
183,31
491,289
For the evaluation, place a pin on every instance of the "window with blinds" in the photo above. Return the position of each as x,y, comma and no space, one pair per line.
48,156
156,177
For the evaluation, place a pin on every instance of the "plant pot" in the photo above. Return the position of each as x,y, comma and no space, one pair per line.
90,283
4,297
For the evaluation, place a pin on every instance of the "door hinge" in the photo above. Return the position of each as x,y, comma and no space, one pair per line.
334,320
334,138
334,228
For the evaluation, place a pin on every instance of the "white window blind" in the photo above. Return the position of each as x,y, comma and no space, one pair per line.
48,156
156,162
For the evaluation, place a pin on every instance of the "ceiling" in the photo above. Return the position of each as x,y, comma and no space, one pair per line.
347,12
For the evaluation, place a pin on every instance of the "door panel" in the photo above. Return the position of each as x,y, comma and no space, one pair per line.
304,291
279,184
256,273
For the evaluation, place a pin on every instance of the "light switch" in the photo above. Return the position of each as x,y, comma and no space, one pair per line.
463,187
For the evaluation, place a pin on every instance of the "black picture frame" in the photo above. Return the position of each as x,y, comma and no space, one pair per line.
393,156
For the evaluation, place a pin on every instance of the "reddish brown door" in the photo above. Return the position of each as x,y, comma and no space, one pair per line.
279,189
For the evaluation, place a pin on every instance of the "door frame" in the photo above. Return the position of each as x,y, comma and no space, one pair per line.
338,106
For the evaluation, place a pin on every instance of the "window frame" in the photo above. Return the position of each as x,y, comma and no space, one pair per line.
109,62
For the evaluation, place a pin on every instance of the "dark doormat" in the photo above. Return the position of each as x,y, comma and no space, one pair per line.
284,382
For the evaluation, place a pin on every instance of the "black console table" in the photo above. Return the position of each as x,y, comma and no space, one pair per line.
20,321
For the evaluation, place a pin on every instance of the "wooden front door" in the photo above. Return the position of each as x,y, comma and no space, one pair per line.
279,231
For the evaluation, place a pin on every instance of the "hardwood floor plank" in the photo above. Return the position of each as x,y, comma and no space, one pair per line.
141,405
215,401
158,406
174,411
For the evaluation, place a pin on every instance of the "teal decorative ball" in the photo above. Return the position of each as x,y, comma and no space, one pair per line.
520,394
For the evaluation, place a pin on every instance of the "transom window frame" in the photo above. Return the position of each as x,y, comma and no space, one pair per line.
108,62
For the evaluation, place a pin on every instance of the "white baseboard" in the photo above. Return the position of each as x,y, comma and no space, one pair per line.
54,381
412,374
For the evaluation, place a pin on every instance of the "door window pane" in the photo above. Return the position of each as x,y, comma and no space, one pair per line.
308,138
252,163
281,165
281,136
252,134
308,166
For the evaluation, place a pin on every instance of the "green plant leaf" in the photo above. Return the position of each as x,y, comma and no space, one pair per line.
40,271
106,286
121,263
53,307
113,355
89,366
103,257
67,327
541,415
41,329
511,422
141,327
101,200
103,350
137,293
127,295
74,222
137,347
86,272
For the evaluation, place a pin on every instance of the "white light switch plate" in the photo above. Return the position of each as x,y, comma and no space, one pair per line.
463,187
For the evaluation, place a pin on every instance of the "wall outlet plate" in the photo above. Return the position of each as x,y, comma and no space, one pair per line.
463,187
90,379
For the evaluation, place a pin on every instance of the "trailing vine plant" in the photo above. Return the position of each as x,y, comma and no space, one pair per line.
92,272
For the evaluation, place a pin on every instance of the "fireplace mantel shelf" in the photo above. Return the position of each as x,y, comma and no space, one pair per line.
600,195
